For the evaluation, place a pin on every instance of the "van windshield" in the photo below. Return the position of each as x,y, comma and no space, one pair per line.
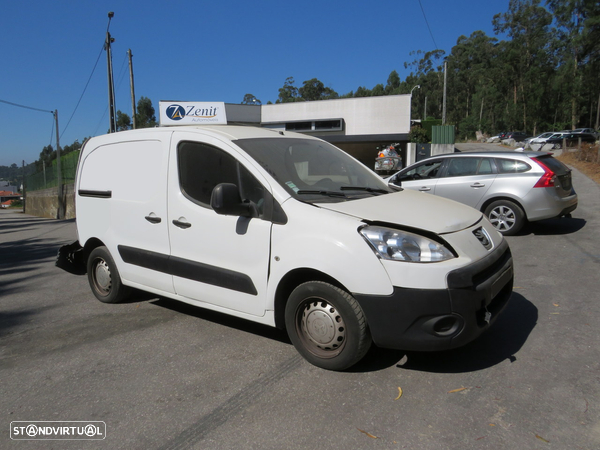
312,170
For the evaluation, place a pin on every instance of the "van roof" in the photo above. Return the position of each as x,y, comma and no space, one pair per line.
230,132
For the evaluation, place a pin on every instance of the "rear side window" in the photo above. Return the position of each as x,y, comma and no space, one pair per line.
553,164
461,167
512,166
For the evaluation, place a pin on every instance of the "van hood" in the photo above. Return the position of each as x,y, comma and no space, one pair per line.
411,209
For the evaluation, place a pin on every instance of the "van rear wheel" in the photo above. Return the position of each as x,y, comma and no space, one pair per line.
327,326
104,277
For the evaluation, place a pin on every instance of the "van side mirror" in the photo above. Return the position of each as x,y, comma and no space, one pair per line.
225,200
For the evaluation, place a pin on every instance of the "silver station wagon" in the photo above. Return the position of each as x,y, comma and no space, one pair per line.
509,188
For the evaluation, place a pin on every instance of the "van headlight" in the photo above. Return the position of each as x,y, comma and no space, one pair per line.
398,245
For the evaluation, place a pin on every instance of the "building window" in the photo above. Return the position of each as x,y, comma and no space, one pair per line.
298,126
328,125
315,125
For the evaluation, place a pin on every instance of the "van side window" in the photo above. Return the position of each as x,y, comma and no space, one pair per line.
202,167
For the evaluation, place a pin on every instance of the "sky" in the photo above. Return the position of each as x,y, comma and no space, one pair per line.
215,51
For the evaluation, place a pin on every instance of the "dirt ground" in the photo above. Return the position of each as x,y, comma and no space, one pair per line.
586,161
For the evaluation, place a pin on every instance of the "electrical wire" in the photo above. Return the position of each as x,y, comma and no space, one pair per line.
83,93
26,107
427,23
33,109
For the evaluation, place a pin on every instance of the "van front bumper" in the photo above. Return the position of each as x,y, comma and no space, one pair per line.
442,319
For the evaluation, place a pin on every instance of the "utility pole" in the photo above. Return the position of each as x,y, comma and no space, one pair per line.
132,88
111,85
444,103
60,212
23,189
425,109
598,114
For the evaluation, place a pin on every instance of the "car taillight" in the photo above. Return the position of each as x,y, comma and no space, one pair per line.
547,180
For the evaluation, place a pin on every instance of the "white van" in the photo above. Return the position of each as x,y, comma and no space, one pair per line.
289,231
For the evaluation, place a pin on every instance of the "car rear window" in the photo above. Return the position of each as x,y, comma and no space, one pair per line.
553,164
512,166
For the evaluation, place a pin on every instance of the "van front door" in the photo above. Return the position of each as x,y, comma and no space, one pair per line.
216,259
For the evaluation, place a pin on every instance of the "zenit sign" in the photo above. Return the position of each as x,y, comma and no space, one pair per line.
192,113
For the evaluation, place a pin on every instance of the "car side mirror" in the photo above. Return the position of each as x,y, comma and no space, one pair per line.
395,181
225,200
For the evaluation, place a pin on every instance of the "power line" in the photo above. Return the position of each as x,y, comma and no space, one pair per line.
427,23
83,93
26,107
33,109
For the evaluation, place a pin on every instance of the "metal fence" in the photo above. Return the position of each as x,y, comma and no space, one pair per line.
48,177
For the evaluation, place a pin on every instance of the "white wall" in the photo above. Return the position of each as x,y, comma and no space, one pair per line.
388,114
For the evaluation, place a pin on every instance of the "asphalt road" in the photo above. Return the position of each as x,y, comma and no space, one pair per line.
163,375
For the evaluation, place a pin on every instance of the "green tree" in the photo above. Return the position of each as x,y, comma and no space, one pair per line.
527,59
578,30
146,116
362,92
288,93
418,135
250,99
314,89
123,121
393,83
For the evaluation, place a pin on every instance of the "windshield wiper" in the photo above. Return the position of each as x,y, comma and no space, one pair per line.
364,188
321,192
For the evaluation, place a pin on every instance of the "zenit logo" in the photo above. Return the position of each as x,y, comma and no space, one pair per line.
194,113
175,112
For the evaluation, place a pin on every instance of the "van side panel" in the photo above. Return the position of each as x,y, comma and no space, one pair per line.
122,200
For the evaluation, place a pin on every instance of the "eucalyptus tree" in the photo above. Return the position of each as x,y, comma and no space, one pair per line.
314,89
288,93
578,28
473,83
527,59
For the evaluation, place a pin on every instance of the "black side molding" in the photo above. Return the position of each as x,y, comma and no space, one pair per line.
96,194
191,270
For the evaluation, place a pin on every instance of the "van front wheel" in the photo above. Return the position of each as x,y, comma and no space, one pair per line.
104,278
327,326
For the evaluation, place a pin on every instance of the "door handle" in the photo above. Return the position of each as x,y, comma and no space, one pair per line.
181,224
424,189
153,219
477,185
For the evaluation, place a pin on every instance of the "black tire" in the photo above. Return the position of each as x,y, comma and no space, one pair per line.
327,326
104,277
507,217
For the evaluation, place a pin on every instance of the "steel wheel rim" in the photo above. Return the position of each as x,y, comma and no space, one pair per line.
321,327
102,277
502,218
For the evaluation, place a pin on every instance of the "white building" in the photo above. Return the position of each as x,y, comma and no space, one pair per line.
356,125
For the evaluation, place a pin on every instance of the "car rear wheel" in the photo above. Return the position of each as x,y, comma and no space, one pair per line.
507,217
104,277
327,326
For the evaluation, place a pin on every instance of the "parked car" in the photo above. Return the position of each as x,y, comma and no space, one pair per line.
286,230
509,188
517,136
586,131
540,139
571,139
